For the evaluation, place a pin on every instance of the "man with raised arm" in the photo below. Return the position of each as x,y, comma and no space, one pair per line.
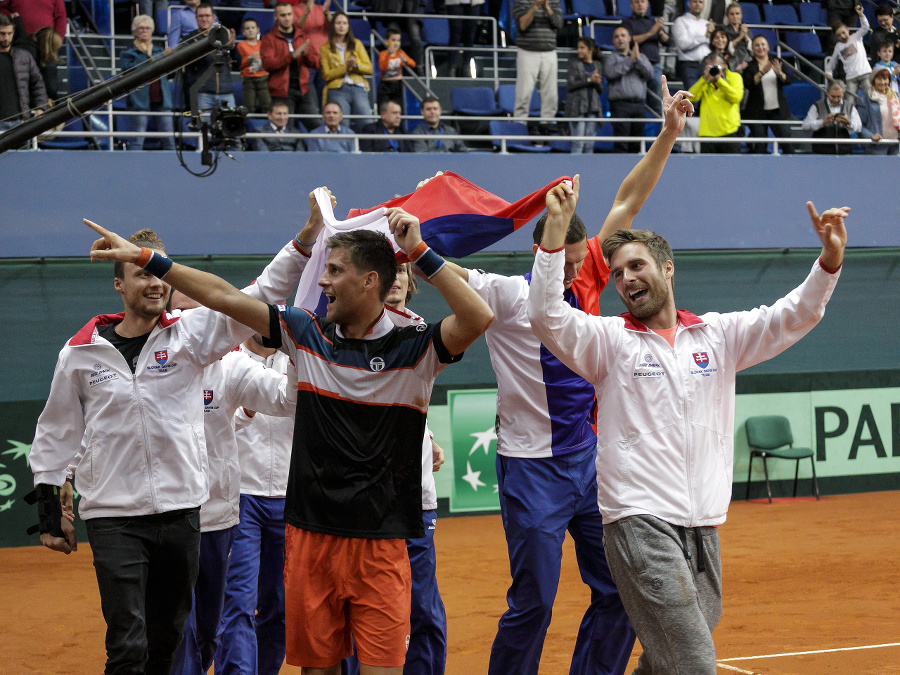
546,445
354,493
125,418
665,392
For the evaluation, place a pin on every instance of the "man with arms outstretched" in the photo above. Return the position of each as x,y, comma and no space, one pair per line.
546,446
665,392
354,493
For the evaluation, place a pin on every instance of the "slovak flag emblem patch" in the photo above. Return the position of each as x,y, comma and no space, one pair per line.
163,356
207,396
701,359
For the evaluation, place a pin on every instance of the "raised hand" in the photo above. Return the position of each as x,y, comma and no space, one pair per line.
832,233
562,199
111,246
423,183
405,228
315,222
676,109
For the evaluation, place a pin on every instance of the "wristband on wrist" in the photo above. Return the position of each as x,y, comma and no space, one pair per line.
427,260
154,262
302,243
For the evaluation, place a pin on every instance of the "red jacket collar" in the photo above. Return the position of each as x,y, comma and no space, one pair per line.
85,336
685,318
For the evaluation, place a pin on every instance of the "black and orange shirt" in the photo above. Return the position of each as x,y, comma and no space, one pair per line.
361,405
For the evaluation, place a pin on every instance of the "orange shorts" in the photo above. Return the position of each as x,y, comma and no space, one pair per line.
335,587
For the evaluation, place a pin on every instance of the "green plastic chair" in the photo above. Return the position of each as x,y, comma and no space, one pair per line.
767,436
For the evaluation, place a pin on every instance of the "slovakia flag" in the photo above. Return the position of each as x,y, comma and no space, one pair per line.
457,218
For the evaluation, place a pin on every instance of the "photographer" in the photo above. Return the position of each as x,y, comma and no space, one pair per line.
833,116
218,88
719,92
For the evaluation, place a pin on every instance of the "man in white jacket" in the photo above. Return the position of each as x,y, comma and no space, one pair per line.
125,419
665,391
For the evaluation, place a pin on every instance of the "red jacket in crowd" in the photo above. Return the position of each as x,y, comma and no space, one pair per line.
38,13
276,57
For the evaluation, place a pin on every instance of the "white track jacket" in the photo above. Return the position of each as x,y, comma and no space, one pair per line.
136,442
665,421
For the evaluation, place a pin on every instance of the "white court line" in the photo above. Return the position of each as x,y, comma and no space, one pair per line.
817,651
736,670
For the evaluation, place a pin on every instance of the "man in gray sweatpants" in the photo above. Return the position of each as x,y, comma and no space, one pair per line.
665,395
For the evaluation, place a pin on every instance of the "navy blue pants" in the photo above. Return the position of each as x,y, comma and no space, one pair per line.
427,653
252,639
146,567
197,649
540,499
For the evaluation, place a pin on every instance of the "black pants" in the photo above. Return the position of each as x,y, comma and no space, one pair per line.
832,131
778,130
627,109
304,104
724,148
146,569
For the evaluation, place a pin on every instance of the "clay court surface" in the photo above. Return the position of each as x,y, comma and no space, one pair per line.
800,576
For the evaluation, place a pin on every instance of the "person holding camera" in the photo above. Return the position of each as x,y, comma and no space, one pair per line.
627,74
719,91
833,116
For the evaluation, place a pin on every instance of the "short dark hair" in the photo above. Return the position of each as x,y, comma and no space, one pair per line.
369,252
207,5
248,19
575,233
837,25
658,246
391,31
385,103
884,10
5,20
146,238
283,3
430,99
279,101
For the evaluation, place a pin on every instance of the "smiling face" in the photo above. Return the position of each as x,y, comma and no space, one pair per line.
719,40
882,82
643,286
885,21
886,52
278,115
343,286
143,294
584,52
760,47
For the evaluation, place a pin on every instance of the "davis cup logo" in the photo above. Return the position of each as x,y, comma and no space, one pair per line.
161,356
207,396
701,359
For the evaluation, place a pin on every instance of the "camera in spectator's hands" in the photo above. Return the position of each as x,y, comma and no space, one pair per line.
715,70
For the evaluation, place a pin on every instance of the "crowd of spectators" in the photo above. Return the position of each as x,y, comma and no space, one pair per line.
310,58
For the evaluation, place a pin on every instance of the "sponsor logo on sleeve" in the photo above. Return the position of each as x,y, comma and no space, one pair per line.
648,367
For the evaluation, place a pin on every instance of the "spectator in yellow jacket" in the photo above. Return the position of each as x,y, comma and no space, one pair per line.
719,92
344,65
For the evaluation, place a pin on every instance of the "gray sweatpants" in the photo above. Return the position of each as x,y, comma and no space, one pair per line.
672,606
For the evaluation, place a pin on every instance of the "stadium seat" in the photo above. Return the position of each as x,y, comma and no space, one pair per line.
505,127
603,37
252,3
769,34
68,142
811,14
783,15
806,44
604,146
750,12
474,101
769,436
361,30
590,8
506,98
265,20
800,97
436,31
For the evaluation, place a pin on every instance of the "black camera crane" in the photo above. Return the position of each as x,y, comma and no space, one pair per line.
85,101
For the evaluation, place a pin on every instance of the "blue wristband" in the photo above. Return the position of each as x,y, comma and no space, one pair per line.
158,265
429,262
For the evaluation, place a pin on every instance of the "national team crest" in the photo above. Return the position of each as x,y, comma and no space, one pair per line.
207,396
701,359
163,356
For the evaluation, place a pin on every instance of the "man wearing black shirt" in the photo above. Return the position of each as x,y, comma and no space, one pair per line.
21,85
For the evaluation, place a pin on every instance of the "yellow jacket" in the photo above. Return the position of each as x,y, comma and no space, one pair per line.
333,68
720,104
